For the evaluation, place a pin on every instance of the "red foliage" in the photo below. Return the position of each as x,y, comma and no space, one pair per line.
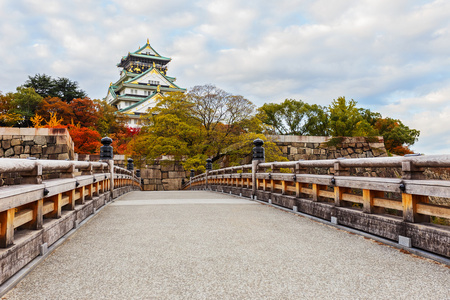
85,111
87,141
401,150
132,131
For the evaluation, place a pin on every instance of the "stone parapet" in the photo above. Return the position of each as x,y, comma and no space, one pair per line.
322,147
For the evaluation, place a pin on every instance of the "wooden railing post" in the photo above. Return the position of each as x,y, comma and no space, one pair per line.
7,227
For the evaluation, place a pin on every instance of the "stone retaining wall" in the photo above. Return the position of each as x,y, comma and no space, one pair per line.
163,177
322,147
42,143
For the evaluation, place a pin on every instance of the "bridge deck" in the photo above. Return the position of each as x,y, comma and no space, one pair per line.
202,245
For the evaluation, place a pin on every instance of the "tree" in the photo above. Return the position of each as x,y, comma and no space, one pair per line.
7,115
61,87
110,120
294,117
85,112
344,117
25,101
55,105
397,136
220,114
201,123
86,141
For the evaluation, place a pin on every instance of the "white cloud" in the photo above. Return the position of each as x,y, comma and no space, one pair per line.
391,56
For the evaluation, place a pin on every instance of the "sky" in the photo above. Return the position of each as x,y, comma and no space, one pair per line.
392,57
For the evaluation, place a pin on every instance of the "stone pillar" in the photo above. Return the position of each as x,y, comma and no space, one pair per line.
208,168
258,157
107,154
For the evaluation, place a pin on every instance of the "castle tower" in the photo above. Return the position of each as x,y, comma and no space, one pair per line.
143,81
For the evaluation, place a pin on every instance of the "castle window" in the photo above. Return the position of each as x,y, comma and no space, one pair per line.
153,82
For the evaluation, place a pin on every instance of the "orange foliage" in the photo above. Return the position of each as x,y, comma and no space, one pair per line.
53,105
85,112
87,141
401,150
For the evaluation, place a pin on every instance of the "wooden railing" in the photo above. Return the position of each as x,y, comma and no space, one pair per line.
27,205
390,207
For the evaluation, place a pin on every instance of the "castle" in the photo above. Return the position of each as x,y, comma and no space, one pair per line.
143,81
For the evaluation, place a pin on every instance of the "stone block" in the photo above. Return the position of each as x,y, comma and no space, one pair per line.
154,173
172,184
176,174
2,153
24,155
350,150
378,151
48,150
164,175
43,249
63,156
51,139
376,145
36,149
18,150
6,144
6,137
9,152
404,241
179,168
40,140
294,151
63,148
15,142
27,138
168,167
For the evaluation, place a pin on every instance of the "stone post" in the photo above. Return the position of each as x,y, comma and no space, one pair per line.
190,178
107,154
208,168
258,157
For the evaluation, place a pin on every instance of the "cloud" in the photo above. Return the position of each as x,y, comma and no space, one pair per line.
390,56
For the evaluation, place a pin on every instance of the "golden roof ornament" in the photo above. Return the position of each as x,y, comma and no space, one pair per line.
158,88
154,65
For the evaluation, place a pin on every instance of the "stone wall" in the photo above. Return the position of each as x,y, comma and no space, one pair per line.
163,177
321,147
42,143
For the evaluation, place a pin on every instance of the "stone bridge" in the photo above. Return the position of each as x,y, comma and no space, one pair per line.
287,230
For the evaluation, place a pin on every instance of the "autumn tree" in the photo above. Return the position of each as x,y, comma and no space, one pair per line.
55,105
220,114
110,120
61,87
86,140
191,127
85,112
397,136
7,115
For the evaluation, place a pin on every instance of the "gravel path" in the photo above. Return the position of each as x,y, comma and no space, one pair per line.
200,245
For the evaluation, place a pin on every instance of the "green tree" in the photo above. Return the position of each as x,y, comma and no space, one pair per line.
345,118
294,117
110,120
26,101
61,87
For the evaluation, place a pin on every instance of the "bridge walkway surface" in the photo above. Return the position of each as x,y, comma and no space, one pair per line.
204,245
